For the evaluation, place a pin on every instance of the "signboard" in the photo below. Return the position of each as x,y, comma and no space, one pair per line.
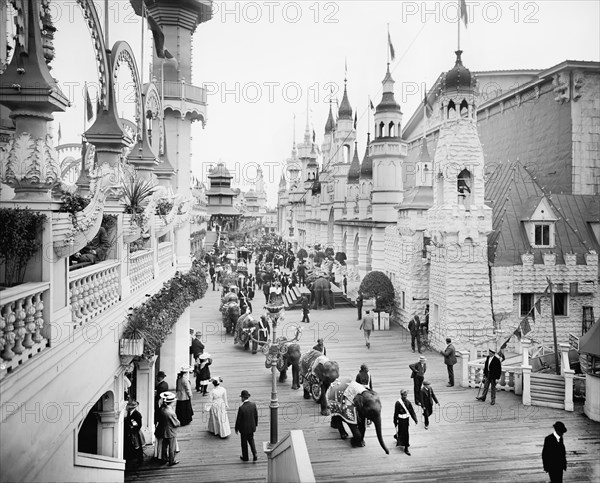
574,342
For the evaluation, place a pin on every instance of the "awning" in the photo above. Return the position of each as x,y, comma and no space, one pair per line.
589,343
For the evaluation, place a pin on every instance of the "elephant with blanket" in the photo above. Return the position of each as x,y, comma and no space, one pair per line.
352,403
317,373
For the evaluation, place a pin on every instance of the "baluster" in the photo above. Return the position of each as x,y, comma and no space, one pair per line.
94,280
85,299
29,322
38,318
9,335
19,327
75,308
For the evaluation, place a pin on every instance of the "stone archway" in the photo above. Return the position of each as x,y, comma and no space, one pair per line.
355,250
330,227
98,432
369,257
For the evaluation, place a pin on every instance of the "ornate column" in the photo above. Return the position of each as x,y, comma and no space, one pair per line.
526,369
29,162
145,396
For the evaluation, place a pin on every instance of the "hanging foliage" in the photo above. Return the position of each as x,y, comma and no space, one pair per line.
154,319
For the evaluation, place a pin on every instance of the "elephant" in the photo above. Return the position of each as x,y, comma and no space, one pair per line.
321,290
317,373
353,403
246,327
231,314
287,353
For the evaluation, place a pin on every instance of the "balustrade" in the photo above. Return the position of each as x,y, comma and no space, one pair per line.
505,383
165,256
93,289
140,269
21,323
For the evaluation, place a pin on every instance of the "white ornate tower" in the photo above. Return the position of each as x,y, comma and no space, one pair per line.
459,220
387,151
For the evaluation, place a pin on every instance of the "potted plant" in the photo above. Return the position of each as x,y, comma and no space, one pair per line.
136,192
131,343
19,241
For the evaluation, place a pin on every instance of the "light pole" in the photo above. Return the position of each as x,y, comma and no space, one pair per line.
275,310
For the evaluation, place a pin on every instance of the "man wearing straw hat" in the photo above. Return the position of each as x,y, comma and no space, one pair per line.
166,429
418,376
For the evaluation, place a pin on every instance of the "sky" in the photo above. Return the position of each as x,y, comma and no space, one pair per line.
260,61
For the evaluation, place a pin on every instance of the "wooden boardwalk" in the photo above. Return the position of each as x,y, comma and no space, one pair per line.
467,440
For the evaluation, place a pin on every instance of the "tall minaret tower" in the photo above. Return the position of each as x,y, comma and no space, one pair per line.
387,152
459,220
183,103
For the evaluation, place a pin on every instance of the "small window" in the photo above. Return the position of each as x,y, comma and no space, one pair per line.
542,235
527,304
561,304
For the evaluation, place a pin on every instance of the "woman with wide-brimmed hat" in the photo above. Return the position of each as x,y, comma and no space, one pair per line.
203,371
183,387
218,421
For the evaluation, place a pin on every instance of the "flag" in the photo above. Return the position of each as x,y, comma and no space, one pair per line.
89,109
371,104
314,136
355,119
463,12
157,33
428,108
392,51
518,333
525,327
538,306
59,133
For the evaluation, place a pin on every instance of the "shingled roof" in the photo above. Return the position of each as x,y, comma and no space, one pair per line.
514,194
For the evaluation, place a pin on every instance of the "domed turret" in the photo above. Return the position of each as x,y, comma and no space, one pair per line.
345,111
459,78
330,125
366,168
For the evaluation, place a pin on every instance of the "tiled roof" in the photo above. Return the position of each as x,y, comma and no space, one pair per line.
514,193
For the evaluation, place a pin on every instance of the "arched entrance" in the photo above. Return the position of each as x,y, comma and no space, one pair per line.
369,254
330,227
98,433
355,250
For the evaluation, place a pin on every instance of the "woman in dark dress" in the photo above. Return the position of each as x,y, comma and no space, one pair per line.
184,409
134,440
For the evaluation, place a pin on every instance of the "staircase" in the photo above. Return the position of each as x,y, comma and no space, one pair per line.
293,297
341,299
548,390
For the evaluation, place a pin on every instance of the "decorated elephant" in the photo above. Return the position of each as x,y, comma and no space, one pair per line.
353,403
317,373
231,314
287,353
321,288
249,329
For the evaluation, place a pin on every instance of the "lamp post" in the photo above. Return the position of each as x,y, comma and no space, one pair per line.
275,311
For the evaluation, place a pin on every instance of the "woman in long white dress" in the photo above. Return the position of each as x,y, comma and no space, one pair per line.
218,421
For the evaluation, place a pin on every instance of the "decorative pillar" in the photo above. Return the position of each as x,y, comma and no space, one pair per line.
29,164
526,370
463,367
145,396
568,373
108,433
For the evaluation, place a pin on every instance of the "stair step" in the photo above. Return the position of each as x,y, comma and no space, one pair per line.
547,397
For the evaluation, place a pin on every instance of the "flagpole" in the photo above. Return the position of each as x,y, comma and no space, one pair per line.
388,46
458,22
142,54
369,116
106,25
556,359
425,112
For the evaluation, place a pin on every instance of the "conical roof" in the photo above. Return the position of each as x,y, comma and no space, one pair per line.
354,171
388,101
220,171
345,111
330,125
366,168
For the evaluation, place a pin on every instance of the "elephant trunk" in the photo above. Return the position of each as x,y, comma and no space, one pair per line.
377,423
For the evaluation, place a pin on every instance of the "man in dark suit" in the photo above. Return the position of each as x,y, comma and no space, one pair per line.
245,424
554,455
414,327
491,372
197,349
359,306
418,376
450,359
160,387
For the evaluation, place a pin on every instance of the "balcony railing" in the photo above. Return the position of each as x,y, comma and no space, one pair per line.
140,269
93,290
505,383
22,320
181,90
165,256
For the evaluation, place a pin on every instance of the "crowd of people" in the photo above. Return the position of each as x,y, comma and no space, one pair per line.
276,270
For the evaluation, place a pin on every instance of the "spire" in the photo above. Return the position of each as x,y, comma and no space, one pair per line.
366,168
354,171
345,110
282,183
330,125
388,101
307,139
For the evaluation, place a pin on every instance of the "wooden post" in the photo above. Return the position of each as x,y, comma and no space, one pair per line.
556,357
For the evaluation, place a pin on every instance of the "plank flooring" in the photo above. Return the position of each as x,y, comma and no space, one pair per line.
468,441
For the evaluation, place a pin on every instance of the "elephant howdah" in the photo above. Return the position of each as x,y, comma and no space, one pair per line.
285,353
231,314
353,403
248,329
317,373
